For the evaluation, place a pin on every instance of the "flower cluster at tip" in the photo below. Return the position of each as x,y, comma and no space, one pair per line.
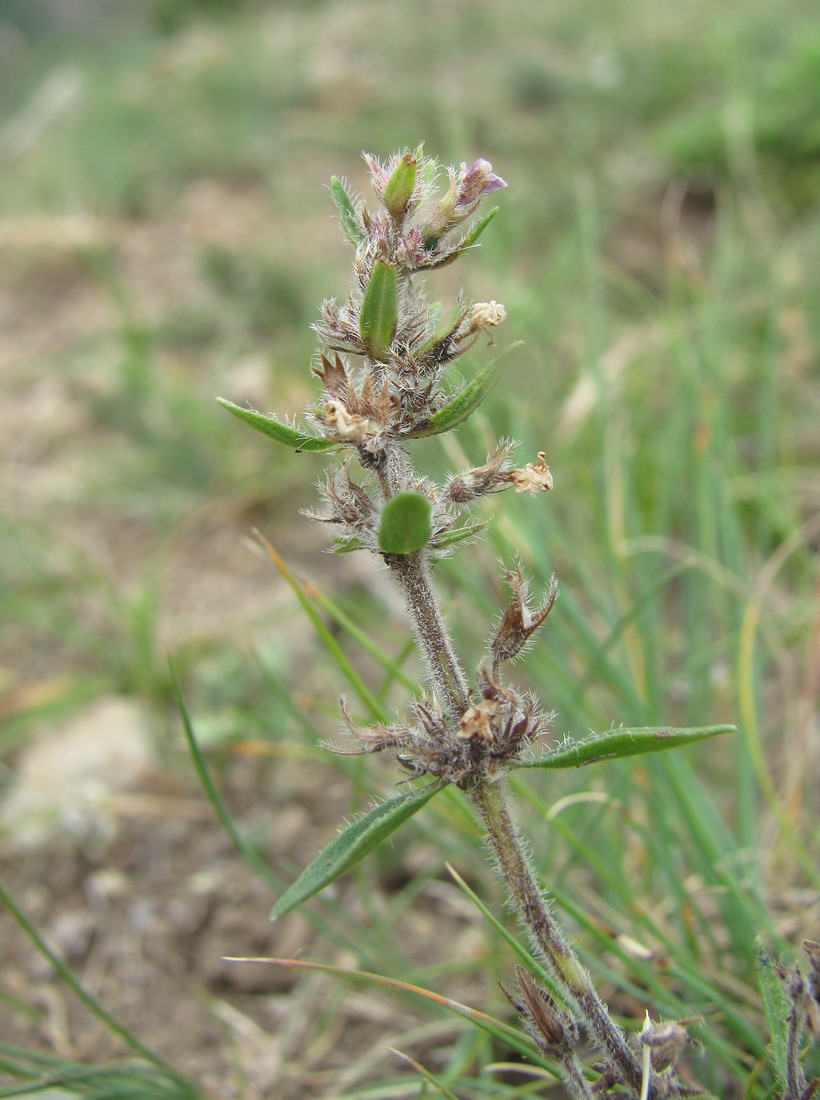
384,351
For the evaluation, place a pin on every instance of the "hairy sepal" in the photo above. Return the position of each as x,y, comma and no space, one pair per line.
468,398
275,429
353,844
619,743
351,222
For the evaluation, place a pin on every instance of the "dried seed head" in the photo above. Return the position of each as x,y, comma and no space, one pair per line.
478,482
486,315
477,721
344,426
535,477
333,375
519,622
666,1041
551,1028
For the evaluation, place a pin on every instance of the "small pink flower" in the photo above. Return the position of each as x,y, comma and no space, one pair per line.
477,181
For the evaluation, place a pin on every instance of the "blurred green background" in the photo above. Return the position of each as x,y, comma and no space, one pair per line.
166,236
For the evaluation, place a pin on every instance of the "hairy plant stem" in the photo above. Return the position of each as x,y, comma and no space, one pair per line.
412,573
573,979
449,682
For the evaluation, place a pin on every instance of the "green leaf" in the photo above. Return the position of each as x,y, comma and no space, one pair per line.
620,743
469,240
422,1071
399,188
477,230
467,400
405,524
346,544
275,429
777,1008
503,1032
379,315
440,335
351,224
353,844
448,539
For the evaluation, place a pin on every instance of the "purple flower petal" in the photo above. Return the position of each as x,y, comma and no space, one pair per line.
477,181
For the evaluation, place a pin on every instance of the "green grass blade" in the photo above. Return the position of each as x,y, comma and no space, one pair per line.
392,666
90,1002
497,1029
367,698
212,794
425,1073
529,961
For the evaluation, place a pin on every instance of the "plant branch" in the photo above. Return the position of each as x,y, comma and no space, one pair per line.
449,681
546,934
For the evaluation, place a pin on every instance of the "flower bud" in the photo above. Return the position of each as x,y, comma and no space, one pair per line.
399,188
477,181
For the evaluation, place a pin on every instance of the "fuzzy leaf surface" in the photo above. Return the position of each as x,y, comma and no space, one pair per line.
353,844
620,743
347,211
467,400
379,315
776,1007
406,524
478,229
275,429
452,538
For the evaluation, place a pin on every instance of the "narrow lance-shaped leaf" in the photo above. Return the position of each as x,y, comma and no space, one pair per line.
346,544
469,240
452,538
351,223
405,524
440,335
379,316
776,1007
620,743
467,400
479,227
275,429
353,844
